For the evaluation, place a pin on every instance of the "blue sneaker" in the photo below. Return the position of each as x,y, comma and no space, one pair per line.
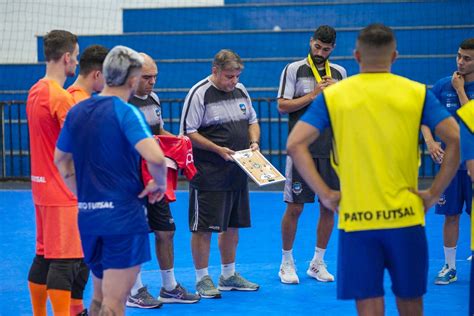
446,275
178,295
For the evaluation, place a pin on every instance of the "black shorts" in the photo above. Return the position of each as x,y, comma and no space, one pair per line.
159,216
60,274
297,191
214,211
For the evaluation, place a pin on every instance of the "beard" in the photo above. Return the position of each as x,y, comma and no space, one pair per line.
318,60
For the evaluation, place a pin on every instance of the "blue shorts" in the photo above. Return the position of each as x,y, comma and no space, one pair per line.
456,195
115,251
363,257
471,295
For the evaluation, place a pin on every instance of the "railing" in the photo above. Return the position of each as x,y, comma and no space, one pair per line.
15,143
15,155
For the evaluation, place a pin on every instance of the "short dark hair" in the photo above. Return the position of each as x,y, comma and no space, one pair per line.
325,34
467,44
92,59
376,35
58,42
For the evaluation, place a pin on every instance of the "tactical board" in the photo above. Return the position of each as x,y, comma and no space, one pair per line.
257,167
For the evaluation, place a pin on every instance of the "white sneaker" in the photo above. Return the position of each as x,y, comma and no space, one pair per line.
287,273
318,270
470,258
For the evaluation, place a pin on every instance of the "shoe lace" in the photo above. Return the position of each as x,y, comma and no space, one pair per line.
207,282
179,288
444,270
288,266
145,295
239,279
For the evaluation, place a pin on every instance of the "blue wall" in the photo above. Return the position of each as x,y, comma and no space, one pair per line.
271,44
291,16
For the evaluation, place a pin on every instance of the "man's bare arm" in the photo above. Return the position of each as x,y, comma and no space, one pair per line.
65,165
149,149
448,131
254,136
286,106
434,147
302,135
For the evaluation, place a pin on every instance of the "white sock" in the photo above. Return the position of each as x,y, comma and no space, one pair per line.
228,270
200,273
318,254
450,256
287,255
138,285
168,279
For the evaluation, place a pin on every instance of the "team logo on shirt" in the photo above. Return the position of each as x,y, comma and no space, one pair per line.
452,100
189,158
243,108
442,200
297,188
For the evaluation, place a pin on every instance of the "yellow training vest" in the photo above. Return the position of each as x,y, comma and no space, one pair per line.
376,121
466,113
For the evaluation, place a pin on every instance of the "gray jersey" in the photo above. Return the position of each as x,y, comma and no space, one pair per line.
223,118
151,108
297,80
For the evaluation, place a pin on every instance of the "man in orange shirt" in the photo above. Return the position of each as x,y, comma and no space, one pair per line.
90,77
54,272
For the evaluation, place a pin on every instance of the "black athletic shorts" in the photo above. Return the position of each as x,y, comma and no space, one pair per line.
297,191
159,216
214,211
60,274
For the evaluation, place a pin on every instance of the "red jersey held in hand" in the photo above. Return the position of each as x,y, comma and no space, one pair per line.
180,151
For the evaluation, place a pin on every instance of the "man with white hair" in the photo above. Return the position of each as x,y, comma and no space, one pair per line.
98,155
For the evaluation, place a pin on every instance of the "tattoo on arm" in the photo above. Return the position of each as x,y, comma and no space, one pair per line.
68,175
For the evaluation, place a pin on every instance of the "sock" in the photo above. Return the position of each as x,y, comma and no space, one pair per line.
318,254
200,273
60,301
168,279
287,255
228,270
450,256
138,285
38,297
77,306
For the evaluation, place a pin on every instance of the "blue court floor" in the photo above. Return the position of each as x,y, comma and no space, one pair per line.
258,259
